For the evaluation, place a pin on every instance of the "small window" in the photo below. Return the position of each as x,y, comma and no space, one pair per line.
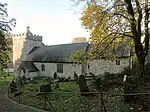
42,67
117,62
60,68
88,66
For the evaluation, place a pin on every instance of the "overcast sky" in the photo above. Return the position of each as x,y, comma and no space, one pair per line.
51,19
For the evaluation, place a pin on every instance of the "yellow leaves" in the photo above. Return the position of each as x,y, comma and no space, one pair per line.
94,19
91,15
102,27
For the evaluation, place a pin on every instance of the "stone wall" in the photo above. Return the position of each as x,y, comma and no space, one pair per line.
102,66
95,66
51,68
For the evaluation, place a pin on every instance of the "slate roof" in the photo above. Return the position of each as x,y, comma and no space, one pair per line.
55,53
121,50
62,52
28,66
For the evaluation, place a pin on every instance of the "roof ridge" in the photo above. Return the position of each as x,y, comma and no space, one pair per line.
65,44
34,48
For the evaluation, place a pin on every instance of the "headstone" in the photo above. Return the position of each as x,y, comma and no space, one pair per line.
37,78
61,79
93,76
83,86
13,86
17,94
28,80
76,77
106,75
30,89
45,88
36,90
56,85
49,80
24,79
126,98
19,81
98,83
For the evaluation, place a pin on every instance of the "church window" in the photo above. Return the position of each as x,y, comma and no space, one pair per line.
117,62
88,66
42,67
60,68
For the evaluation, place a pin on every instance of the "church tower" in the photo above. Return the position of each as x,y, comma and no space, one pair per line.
23,44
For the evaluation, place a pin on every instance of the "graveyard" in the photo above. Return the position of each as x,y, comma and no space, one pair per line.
66,96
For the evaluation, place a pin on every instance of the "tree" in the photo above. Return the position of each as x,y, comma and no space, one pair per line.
5,22
5,40
80,58
129,18
5,50
95,19
90,19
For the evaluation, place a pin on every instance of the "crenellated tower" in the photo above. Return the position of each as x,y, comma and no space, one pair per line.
23,44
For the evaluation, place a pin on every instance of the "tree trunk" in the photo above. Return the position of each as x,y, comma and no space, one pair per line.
141,70
141,54
83,69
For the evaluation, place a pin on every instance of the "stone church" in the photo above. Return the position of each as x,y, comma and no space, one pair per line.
32,58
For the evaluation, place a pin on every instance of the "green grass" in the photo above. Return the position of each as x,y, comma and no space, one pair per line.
4,80
66,102
3,83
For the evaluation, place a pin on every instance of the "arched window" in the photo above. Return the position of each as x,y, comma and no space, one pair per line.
117,62
42,67
88,66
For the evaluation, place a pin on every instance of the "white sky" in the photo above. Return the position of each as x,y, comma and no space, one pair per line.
51,19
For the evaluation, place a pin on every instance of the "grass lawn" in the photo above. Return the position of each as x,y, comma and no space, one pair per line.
4,80
66,102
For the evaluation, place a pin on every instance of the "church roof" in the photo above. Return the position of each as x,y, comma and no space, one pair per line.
61,53
55,53
29,66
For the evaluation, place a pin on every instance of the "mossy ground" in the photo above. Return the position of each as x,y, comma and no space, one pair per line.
71,102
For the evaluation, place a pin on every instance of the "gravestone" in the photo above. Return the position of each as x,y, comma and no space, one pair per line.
56,85
50,81
61,79
98,83
76,77
19,81
17,94
13,86
45,88
83,86
30,89
93,76
126,98
24,79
